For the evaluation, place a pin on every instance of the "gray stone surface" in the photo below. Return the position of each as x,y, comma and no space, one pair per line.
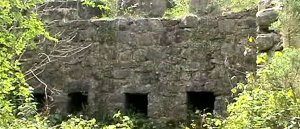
74,10
200,6
161,57
265,4
266,17
147,8
267,41
189,21
67,10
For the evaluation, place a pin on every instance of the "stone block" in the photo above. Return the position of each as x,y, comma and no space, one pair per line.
123,24
191,66
140,55
145,39
170,22
121,74
157,7
199,6
156,25
68,10
148,8
89,34
185,76
265,42
249,22
126,37
227,25
182,35
165,67
221,103
154,54
266,17
78,86
125,55
167,38
140,25
189,21
142,89
145,67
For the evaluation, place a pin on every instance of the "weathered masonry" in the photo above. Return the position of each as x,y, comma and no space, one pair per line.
161,68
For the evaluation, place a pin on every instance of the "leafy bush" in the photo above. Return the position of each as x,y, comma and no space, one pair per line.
289,22
180,9
18,28
271,98
237,5
108,6
79,123
203,121
120,122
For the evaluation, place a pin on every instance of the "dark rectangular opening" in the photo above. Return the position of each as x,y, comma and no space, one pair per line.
40,100
202,101
136,104
78,102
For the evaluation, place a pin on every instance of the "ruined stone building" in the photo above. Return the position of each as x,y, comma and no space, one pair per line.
162,68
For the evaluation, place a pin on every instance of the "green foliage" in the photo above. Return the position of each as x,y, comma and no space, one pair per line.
34,122
289,23
120,122
19,26
108,6
270,99
262,58
237,5
79,123
203,121
111,9
180,9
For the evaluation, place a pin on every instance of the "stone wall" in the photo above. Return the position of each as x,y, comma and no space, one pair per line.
161,58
